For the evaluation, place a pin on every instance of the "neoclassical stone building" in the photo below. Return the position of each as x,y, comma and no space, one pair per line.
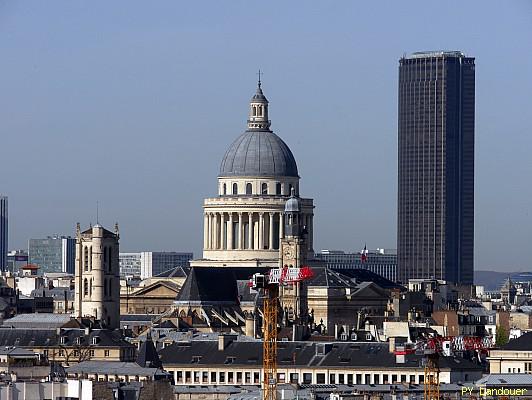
244,224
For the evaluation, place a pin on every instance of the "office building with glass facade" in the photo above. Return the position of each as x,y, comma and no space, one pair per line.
53,254
380,261
156,262
129,264
3,233
436,156
151,263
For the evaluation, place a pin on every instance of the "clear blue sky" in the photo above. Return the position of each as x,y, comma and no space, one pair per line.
134,103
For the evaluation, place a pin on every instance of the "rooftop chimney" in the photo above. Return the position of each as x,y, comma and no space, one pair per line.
224,340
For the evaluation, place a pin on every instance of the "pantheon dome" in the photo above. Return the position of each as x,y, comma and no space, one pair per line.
244,224
258,151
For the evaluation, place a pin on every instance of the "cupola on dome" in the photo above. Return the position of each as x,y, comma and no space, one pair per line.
258,151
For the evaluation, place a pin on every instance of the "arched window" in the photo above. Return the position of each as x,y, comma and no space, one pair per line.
224,189
290,187
235,188
248,188
254,111
264,188
110,258
85,287
90,288
278,188
86,258
90,258
105,254
105,287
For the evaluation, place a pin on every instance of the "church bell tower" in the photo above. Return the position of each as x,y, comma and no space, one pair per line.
97,278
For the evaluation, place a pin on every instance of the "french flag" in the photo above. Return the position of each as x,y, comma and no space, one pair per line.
364,254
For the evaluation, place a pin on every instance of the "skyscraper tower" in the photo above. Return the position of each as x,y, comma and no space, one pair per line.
3,233
97,276
436,166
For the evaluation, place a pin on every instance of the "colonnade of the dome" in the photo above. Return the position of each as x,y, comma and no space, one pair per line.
247,230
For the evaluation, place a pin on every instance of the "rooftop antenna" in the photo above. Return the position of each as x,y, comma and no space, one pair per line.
259,74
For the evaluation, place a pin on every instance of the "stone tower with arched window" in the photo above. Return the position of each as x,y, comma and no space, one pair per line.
97,278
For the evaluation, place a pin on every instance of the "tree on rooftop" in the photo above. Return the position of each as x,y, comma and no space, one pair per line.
501,337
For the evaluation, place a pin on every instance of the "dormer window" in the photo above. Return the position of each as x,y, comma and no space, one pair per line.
63,340
95,339
229,360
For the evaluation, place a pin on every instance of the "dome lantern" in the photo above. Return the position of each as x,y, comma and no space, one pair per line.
258,152
258,110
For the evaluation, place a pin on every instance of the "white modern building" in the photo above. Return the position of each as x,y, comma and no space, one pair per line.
153,263
379,261
129,264
146,264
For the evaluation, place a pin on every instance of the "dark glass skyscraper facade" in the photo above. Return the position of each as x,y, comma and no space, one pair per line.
436,167
3,233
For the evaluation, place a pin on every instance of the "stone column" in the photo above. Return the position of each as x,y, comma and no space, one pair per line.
216,232
240,232
222,230
270,238
281,227
230,232
261,230
211,231
205,231
250,231
311,231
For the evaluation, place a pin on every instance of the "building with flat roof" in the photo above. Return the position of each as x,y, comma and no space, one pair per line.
53,254
380,261
436,156
16,259
130,264
153,263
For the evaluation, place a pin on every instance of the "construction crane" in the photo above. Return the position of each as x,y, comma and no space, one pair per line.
268,284
433,348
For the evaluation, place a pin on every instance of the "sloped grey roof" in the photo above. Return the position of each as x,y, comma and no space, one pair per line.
112,368
337,354
258,153
522,343
37,321
505,379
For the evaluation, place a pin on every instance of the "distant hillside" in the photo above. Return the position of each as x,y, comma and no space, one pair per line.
492,280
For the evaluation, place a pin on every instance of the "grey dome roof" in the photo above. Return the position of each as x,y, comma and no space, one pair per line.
258,153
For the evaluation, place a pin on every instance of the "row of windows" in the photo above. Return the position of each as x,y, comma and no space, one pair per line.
257,111
263,189
238,377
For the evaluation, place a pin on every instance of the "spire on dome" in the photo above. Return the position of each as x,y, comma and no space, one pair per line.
258,109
